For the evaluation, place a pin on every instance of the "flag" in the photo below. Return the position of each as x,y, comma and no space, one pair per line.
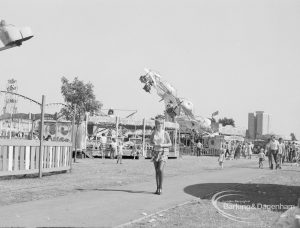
215,113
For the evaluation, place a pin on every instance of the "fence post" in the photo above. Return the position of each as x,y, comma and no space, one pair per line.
144,132
75,146
41,136
10,126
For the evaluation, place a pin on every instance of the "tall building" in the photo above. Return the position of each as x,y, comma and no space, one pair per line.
251,126
258,125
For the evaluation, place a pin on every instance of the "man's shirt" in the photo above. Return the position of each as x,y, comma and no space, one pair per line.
281,148
274,145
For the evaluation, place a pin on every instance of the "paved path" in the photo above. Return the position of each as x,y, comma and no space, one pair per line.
118,205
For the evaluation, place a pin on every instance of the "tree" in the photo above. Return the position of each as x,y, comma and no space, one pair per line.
293,137
81,94
227,121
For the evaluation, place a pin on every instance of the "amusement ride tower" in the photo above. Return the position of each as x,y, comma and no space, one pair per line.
11,100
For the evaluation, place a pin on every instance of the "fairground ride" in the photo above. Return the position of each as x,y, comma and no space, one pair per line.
177,109
11,99
13,36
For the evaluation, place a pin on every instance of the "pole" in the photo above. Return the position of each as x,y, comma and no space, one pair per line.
32,126
175,141
56,130
0,128
117,127
179,141
41,136
117,133
144,132
19,125
73,136
75,141
85,135
10,127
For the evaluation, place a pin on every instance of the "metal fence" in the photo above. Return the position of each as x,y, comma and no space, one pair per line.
187,150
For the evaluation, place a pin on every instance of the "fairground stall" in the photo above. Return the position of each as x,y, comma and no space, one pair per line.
26,126
190,132
21,150
227,137
134,133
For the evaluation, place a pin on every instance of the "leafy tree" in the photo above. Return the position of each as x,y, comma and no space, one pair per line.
293,137
81,94
227,121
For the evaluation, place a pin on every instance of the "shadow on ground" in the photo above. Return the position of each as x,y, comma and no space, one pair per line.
114,190
265,194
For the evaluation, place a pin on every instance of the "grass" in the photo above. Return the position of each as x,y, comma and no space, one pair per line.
98,173
279,187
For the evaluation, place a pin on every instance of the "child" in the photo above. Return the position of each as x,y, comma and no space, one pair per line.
261,157
221,158
120,152
113,149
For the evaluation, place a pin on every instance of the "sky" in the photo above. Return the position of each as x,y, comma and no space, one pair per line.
232,56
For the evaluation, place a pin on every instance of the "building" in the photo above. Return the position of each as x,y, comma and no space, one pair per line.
258,124
251,126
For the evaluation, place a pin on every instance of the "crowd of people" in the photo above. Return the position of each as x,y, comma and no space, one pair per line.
114,148
277,152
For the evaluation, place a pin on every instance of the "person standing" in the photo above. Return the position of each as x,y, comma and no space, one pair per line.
222,157
289,154
247,154
227,153
232,150
114,148
286,153
161,142
103,142
261,157
199,148
244,146
120,152
268,153
293,152
273,151
281,152
251,148
237,152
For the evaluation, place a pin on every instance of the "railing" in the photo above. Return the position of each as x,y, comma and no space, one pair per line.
187,150
19,157
211,152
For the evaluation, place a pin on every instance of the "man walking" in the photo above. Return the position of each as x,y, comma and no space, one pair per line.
281,152
273,151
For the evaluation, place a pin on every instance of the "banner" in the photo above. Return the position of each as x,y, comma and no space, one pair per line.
60,131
